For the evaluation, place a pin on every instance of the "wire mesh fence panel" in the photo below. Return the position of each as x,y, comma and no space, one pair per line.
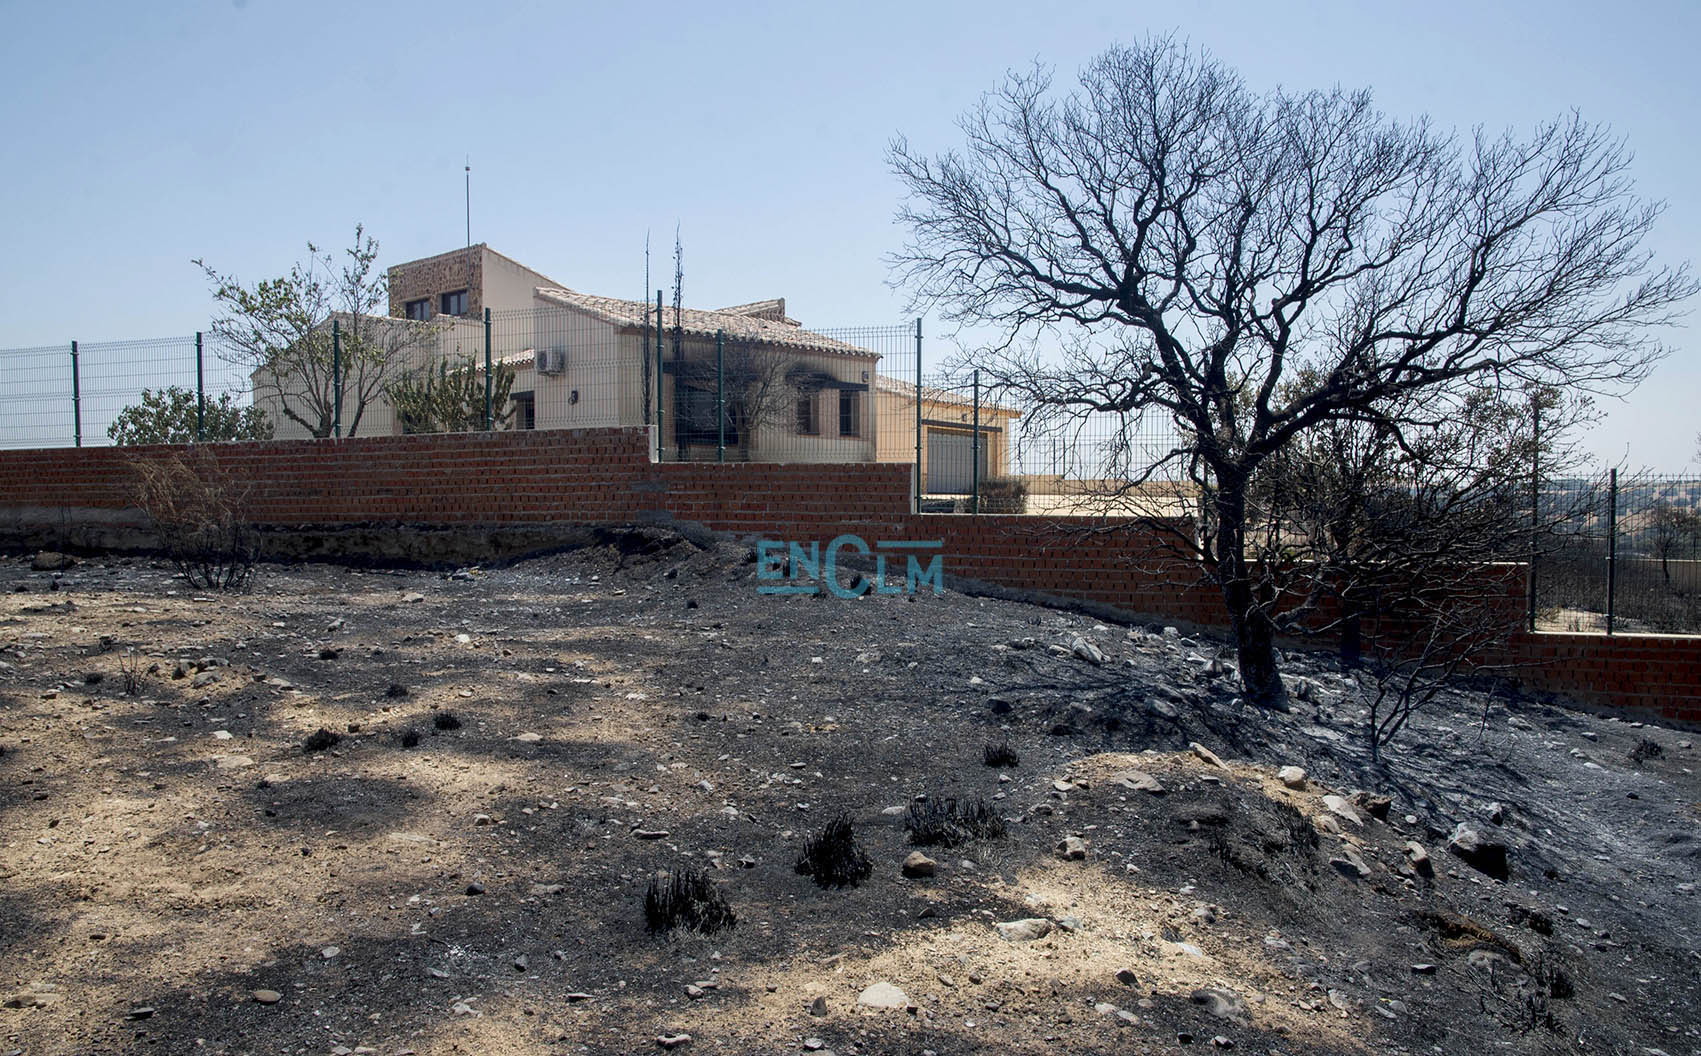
1625,558
115,378
1657,556
36,397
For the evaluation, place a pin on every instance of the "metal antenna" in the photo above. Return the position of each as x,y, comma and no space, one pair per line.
469,231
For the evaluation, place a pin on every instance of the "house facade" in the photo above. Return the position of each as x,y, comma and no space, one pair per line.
949,445
770,391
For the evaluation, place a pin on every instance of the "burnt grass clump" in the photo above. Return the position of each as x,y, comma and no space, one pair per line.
321,739
410,738
832,857
446,721
999,753
686,900
947,823
1645,750
1270,840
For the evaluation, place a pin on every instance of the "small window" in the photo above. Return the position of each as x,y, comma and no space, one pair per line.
453,303
525,410
420,309
808,424
850,420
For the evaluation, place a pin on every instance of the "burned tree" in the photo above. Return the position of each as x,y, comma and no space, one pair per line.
1257,267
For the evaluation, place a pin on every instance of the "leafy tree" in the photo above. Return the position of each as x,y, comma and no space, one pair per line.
451,399
281,331
1260,266
168,416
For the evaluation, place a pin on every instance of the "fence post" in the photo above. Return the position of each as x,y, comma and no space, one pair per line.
974,451
488,421
76,397
200,393
1612,546
918,414
337,377
1535,499
659,447
720,397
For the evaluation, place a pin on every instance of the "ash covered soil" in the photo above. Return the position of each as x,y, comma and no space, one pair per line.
518,752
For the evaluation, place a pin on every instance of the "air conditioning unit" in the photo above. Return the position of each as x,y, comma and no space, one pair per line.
551,360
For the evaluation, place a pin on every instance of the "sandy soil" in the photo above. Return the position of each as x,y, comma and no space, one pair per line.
171,849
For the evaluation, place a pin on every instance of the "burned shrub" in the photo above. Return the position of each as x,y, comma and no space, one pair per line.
947,822
832,857
1004,495
410,738
1263,838
686,900
199,515
999,753
321,739
1645,750
446,721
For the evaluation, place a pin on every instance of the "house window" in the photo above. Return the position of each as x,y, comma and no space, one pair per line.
525,410
453,303
419,310
850,417
808,421
694,417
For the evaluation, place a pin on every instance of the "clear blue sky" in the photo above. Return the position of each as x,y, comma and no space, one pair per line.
142,135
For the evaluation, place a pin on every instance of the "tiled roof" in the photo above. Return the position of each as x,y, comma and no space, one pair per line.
739,323
774,309
904,389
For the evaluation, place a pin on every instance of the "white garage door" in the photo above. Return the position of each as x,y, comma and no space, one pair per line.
950,465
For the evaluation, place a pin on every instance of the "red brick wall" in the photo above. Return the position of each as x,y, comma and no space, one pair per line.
604,475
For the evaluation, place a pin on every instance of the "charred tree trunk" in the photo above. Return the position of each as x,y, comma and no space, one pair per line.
1254,631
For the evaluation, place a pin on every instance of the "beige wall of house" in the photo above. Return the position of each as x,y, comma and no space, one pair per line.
942,415
774,434
420,346
587,392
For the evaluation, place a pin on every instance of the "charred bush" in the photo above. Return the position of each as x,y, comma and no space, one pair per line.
832,858
999,753
686,900
199,515
1645,750
321,739
947,823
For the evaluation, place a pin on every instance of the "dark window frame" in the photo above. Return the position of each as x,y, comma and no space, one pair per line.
850,413
808,415
453,303
418,310
525,409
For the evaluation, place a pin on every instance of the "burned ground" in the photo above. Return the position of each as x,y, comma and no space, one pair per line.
173,852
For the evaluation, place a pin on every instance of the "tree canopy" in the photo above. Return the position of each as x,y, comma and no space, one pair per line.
168,416
1260,266
280,329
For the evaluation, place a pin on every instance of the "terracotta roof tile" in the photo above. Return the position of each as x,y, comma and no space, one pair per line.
735,323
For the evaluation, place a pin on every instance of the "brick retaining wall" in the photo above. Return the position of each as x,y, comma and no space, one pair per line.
605,475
